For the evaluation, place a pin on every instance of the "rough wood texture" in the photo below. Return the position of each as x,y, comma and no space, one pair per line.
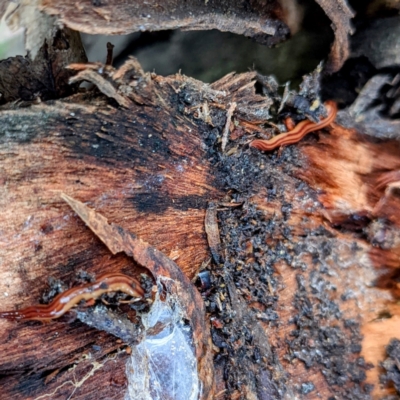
174,283
340,13
294,286
267,22
46,77
160,194
356,175
259,20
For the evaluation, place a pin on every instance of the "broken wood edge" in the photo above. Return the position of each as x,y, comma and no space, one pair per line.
176,283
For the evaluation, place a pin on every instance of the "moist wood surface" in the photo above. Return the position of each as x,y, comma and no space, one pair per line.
294,288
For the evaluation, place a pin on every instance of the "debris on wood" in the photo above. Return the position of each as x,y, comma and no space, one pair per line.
102,84
212,231
298,296
161,368
225,132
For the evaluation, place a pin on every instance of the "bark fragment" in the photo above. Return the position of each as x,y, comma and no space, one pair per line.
340,13
46,76
173,280
260,21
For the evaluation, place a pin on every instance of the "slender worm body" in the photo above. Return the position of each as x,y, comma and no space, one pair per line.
298,132
65,301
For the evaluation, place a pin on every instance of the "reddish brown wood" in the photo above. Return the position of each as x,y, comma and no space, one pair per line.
297,274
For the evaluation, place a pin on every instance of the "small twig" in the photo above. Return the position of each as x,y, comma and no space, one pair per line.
110,48
212,231
285,96
225,132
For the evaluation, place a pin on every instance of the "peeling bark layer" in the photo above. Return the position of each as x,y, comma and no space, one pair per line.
261,21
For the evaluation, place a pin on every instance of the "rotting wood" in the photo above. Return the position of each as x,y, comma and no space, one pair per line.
156,204
289,303
263,22
174,282
269,22
340,13
348,167
44,76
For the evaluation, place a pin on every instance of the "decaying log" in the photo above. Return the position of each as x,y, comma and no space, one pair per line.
165,191
294,252
297,277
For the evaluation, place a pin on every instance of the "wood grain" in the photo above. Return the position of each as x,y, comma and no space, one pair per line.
297,283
